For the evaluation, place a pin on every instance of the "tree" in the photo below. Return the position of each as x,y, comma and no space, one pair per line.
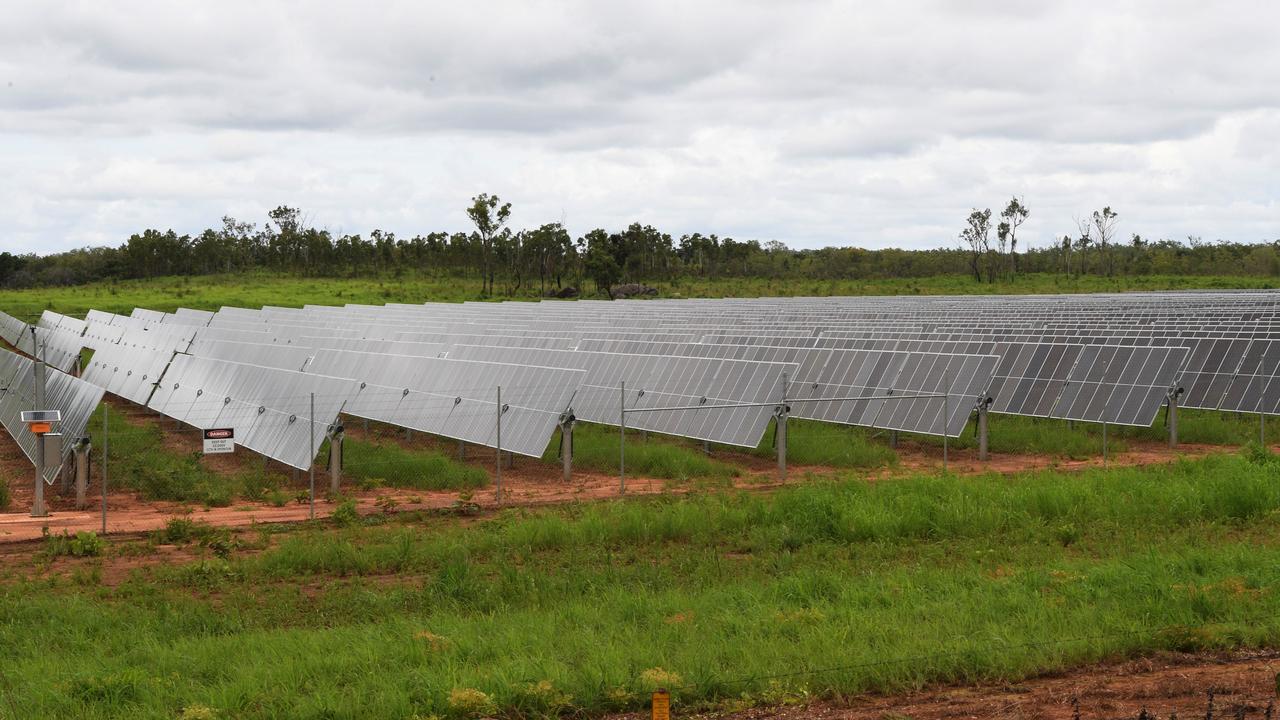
599,262
1104,226
1082,245
1013,215
976,237
490,216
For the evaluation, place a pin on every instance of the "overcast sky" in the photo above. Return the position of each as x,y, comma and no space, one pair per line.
813,123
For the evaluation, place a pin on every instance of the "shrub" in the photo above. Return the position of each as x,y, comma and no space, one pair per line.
470,702
82,544
345,514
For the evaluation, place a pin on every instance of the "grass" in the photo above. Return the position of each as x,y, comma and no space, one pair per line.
139,460
257,289
725,598
595,448
840,446
376,464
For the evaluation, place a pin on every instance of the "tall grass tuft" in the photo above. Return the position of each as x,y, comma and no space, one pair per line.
387,463
595,447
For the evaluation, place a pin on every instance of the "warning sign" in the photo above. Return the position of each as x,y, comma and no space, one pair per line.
219,440
661,707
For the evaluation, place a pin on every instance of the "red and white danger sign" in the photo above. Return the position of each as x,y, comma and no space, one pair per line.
219,440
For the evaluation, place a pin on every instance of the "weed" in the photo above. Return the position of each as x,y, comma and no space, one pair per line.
82,544
345,514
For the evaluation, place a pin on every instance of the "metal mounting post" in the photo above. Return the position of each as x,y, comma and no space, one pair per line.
1262,429
1104,441
498,448
1173,417
81,449
622,436
38,508
946,415
311,471
462,450
566,444
781,415
336,435
105,441
893,439
982,429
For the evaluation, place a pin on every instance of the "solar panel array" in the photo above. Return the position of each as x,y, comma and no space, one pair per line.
73,397
716,369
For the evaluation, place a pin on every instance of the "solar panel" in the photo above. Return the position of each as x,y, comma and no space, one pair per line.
74,398
656,382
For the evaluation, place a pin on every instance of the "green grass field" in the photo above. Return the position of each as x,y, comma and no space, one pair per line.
728,599
255,290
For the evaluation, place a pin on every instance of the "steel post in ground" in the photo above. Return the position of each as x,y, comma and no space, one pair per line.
1104,441
982,431
893,439
946,439
311,472
1173,419
1262,429
622,437
38,507
781,441
81,449
105,442
498,448
335,459
566,448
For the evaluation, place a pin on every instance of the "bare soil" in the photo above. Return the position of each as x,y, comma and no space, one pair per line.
1161,685
526,482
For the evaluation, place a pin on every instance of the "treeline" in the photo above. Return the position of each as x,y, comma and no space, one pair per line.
547,258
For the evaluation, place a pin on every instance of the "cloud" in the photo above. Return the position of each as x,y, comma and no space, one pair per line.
876,123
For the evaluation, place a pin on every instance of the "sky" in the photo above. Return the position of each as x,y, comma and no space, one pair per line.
875,124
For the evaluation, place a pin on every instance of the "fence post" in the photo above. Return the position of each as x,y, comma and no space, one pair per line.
622,436
311,428
105,409
498,448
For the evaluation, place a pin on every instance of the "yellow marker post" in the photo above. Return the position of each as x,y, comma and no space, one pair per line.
661,707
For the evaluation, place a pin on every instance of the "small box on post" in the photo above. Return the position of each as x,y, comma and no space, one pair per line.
52,450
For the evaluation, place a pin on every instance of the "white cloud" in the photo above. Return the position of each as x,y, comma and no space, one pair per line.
876,123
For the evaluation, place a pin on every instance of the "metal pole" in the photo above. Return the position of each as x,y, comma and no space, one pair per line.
1262,429
566,448
38,508
498,449
335,461
982,430
105,409
312,434
782,432
82,449
622,436
1173,419
946,414
893,439
1104,441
